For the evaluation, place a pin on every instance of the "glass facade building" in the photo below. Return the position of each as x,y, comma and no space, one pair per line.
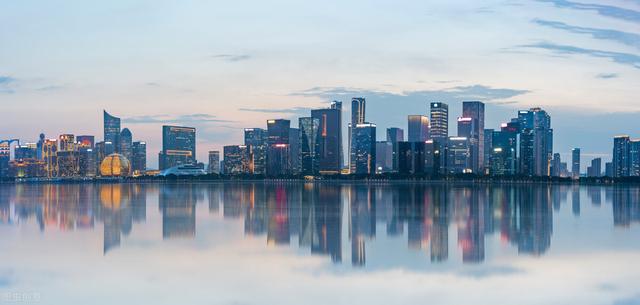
178,146
418,128
111,128
364,146
309,145
329,138
256,139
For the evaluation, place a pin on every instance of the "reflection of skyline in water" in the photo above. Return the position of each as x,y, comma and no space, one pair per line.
312,216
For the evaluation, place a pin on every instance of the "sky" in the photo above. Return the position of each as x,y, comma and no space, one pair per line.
221,66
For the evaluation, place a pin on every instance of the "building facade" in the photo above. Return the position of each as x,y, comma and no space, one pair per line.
178,146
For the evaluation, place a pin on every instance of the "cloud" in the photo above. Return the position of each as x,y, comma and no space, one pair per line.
607,75
604,10
626,38
183,119
232,57
458,93
5,84
621,58
293,110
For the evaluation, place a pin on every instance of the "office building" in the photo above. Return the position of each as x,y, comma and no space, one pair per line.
384,157
26,168
459,156
608,169
358,106
27,151
310,145
329,139
214,162
536,145
87,164
595,170
256,139
139,157
418,128
111,129
5,157
395,135
363,159
439,113
504,147
278,151
237,160
50,157
86,141
126,142
575,163
475,111
68,165
556,163
294,150
67,142
634,157
178,146
488,149
411,158
621,149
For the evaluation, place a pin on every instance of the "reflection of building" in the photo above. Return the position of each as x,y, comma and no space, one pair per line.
178,146
178,206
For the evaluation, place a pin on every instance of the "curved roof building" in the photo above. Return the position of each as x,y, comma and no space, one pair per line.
111,128
115,165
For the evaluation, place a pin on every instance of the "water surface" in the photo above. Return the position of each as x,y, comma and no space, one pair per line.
297,243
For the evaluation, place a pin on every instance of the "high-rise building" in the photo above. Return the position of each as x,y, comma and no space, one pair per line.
309,145
536,149
363,160
418,128
395,135
634,157
556,165
86,141
139,157
358,106
256,139
278,155
67,142
595,170
575,163
40,146
237,159
329,139
504,158
111,129
621,148
411,158
475,111
384,156
294,150
5,157
488,149
214,162
608,169
68,163
27,151
126,143
439,122
459,155
87,165
178,146
50,157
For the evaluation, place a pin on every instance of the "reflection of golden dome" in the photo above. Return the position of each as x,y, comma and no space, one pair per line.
115,165
111,196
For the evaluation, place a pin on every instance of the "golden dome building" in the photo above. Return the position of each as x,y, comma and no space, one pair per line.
115,165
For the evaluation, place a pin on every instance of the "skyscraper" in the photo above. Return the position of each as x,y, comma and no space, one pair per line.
86,141
111,128
536,149
358,106
475,111
278,155
138,157
178,146
458,155
309,145
595,170
395,135
214,162
634,157
294,150
126,143
363,161
439,122
256,139
87,164
411,158
504,158
384,156
329,145
621,149
418,128
67,142
237,159
575,163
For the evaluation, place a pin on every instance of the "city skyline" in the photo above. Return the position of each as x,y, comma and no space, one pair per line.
579,62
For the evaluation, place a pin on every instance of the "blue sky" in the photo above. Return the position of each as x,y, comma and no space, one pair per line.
221,66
